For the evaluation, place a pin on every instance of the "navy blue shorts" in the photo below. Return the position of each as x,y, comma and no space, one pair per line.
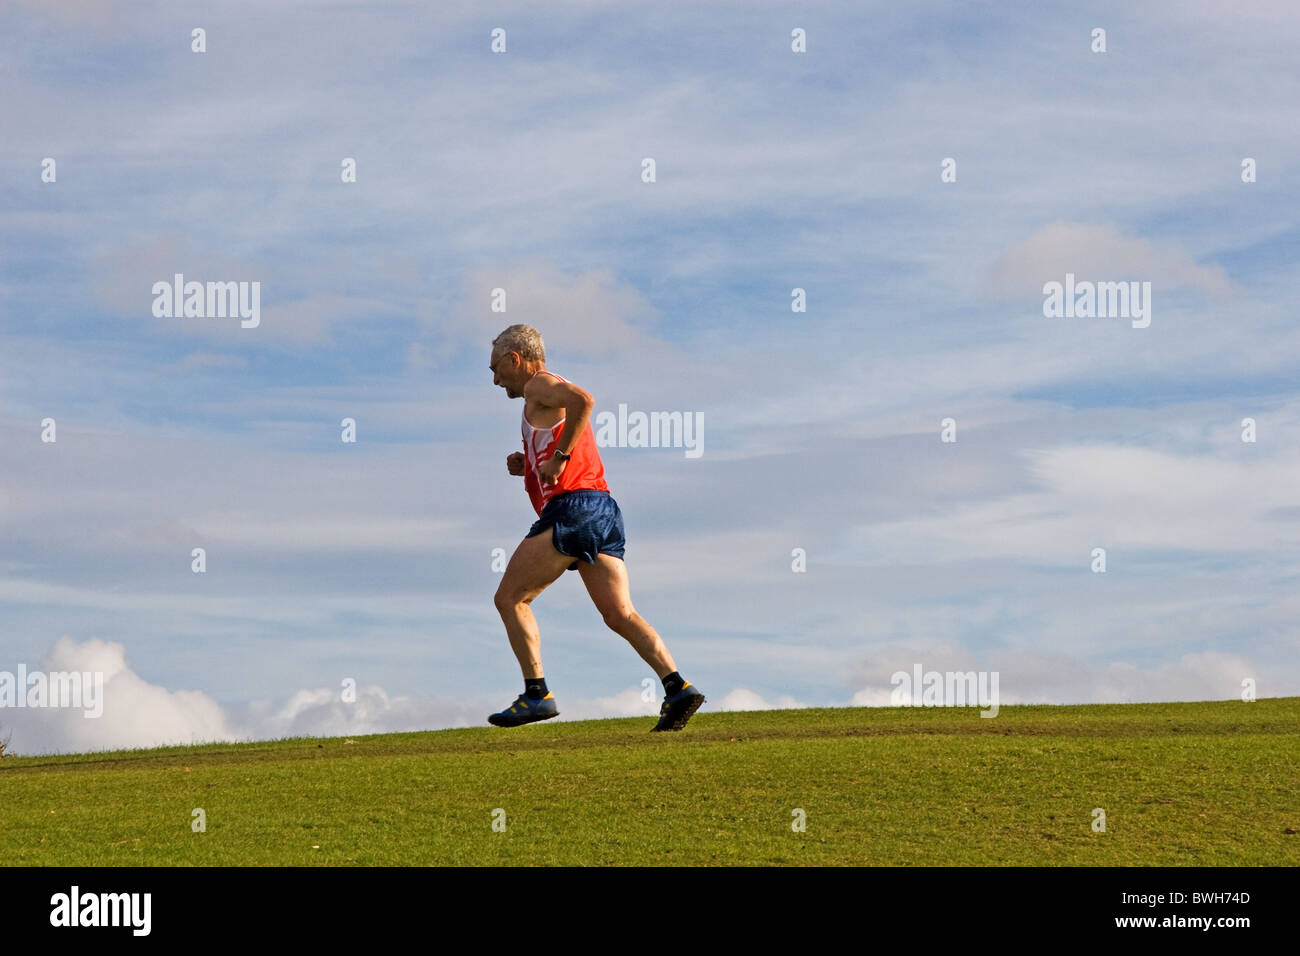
586,523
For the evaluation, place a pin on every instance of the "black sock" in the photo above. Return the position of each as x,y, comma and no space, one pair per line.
535,687
673,683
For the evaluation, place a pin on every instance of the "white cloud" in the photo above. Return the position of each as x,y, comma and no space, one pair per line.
743,699
590,313
1112,496
626,703
1099,253
769,181
1031,677
136,713
322,712
334,533
139,714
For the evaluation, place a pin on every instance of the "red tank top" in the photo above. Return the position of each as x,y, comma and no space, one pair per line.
584,469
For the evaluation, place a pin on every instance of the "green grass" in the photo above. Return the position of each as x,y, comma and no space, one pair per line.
1181,784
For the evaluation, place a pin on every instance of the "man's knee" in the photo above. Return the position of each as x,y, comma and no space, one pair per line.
507,599
617,618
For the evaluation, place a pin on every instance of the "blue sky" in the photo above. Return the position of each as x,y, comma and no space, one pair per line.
775,170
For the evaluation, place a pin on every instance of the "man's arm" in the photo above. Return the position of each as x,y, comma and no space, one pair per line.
577,403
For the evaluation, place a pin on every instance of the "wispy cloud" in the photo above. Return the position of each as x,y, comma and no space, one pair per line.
1100,252
775,171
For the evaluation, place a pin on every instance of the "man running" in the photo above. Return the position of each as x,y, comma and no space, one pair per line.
565,480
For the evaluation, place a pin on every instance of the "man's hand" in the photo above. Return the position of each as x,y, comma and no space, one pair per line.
550,470
515,463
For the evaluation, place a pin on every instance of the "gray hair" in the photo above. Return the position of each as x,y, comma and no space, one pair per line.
524,339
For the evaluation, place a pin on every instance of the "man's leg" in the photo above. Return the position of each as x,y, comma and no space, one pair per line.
606,582
534,566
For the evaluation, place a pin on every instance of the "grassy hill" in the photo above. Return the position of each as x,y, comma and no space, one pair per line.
1197,784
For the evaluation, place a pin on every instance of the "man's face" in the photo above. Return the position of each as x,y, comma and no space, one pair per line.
502,367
